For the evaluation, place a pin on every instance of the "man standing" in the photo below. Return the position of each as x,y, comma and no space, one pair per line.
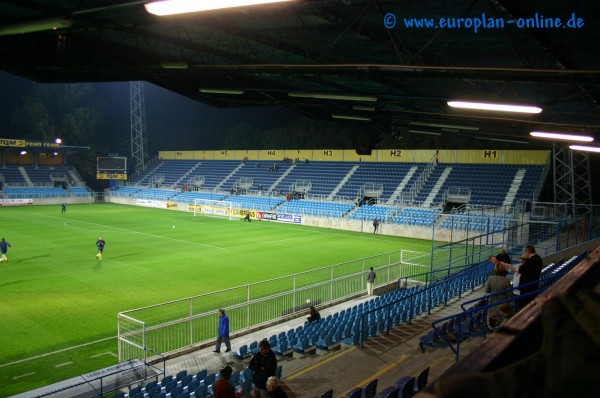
370,281
503,257
100,245
375,225
223,332
530,271
63,207
4,245
263,364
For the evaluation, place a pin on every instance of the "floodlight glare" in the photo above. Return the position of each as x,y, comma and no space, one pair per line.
562,136
494,107
172,7
585,148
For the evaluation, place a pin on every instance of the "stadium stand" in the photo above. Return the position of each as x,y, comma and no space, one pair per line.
356,191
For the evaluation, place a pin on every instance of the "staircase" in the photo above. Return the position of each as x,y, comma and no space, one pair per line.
224,180
183,177
402,185
342,182
514,188
25,176
282,177
436,188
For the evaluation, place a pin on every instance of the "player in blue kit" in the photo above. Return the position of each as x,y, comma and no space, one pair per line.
100,245
4,245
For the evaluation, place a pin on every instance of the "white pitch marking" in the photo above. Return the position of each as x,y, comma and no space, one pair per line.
104,353
25,375
63,364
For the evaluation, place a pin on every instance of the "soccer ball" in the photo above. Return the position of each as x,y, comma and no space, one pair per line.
173,226
307,301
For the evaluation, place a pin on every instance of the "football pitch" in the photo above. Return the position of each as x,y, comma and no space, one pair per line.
59,304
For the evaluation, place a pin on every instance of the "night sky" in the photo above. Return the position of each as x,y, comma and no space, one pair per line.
166,112
174,122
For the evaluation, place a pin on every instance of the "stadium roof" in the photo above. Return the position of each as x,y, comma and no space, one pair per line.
332,59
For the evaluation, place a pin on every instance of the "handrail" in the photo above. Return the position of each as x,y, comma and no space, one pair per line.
468,274
544,282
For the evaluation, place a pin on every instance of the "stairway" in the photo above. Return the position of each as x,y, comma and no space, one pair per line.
402,185
342,182
514,188
436,188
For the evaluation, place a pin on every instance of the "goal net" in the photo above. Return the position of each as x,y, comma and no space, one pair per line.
218,208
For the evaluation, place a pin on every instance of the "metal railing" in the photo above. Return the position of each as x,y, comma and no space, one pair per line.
179,324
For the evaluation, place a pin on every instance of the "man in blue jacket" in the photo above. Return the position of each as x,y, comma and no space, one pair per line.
4,245
223,332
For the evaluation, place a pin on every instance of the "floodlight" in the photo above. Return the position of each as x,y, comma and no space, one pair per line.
562,136
172,7
585,148
494,107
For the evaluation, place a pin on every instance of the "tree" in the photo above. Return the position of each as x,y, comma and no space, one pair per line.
71,112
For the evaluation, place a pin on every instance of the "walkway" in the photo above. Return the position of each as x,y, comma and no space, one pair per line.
386,357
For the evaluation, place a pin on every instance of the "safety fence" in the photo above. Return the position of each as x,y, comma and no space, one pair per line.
189,322
168,327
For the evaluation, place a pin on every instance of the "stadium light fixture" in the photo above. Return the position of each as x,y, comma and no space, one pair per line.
58,141
585,148
341,97
494,107
562,136
502,140
348,117
448,126
424,132
23,152
221,91
172,7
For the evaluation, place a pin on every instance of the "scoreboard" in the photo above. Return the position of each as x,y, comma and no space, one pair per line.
111,168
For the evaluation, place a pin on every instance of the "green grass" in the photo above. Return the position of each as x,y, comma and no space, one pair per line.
54,294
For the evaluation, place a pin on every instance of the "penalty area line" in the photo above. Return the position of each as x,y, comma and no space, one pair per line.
23,375
56,352
104,353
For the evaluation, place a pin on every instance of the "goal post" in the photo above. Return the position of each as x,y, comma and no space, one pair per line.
220,208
